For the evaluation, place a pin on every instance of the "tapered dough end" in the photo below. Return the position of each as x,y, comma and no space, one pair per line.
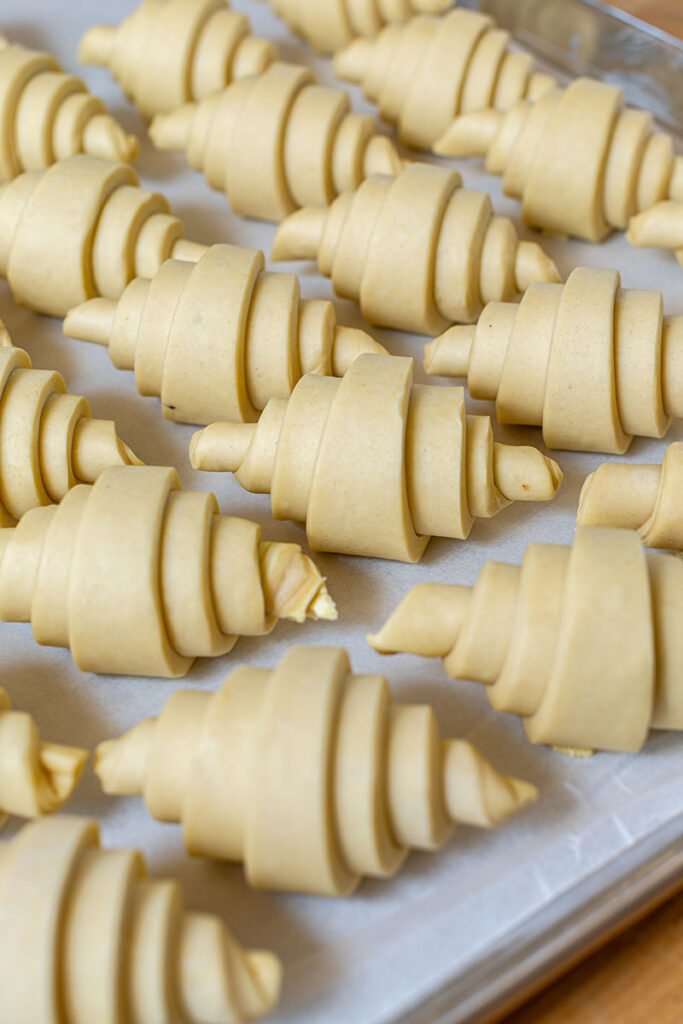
298,237
92,321
349,343
293,586
469,135
172,131
5,338
266,970
61,770
476,793
539,84
221,447
523,473
532,264
659,227
426,622
449,354
676,181
96,446
121,764
381,157
103,137
97,46
351,64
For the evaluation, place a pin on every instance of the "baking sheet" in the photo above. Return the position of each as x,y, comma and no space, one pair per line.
370,958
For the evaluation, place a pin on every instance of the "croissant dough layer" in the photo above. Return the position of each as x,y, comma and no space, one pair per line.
169,52
647,498
48,440
137,578
36,778
660,226
424,73
591,363
374,464
82,228
584,642
417,251
48,115
86,936
277,141
366,780
581,161
218,338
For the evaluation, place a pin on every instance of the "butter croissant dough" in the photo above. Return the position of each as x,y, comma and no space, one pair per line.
216,339
424,73
35,778
83,228
138,578
48,115
660,226
581,161
417,251
374,464
87,936
169,52
366,780
584,642
647,498
277,141
590,362
48,440
330,24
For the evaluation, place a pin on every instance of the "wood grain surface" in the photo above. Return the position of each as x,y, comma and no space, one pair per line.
665,14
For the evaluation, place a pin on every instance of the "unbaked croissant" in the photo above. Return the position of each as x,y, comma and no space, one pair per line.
647,498
581,161
277,141
216,339
418,252
48,440
424,73
374,464
308,774
660,226
49,115
82,228
138,578
168,52
584,642
35,778
590,362
88,936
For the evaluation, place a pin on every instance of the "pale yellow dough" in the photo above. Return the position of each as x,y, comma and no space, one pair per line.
216,339
88,937
590,362
647,498
660,226
47,115
581,161
308,774
424,73
374,464
277,141
169,52
138,578
417,251
584,642
330,24
48,440
82,228
35,778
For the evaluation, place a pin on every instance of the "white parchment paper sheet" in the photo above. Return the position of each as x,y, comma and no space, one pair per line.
366,958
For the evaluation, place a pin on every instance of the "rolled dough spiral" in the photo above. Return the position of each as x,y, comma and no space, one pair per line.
137,578
169,52
424,73
277,141
590,362
86,936
366,780
48,115
216,339
581,161
647,498
83,228
584,642
374,464
417,251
